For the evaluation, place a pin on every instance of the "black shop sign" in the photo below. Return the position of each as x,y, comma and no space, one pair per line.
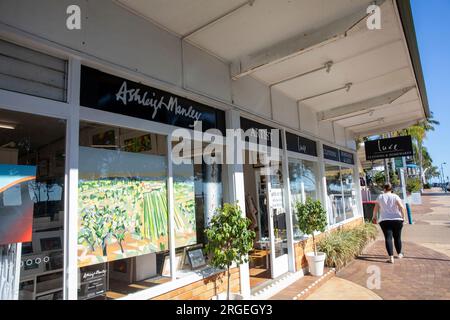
103,91
259,132
299,144
346,157
330,153
389,148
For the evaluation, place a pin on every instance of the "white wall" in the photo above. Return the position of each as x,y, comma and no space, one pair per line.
107,31
253,95
308,120
284,109
112,34
205,73
340,135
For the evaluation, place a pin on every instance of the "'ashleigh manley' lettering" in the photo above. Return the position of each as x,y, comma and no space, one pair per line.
150,100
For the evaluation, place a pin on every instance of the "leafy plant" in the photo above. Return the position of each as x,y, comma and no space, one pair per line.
343,245
229,238
413,185
311,217
120,225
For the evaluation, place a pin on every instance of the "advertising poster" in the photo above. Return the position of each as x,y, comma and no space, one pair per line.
123,206
16,203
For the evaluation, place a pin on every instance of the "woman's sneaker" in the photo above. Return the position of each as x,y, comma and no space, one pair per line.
400,255
390,260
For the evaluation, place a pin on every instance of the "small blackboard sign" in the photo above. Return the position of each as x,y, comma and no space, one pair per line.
196,258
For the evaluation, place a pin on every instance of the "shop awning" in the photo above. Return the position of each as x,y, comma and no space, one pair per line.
319,53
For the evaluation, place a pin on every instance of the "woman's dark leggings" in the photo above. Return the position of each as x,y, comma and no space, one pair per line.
392,228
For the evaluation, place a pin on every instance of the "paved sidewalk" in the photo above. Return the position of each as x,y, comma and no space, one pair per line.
424,273
341,289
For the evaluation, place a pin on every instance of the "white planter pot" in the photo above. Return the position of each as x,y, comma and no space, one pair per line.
233,296
316,263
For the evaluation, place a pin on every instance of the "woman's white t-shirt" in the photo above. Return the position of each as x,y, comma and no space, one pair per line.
388,207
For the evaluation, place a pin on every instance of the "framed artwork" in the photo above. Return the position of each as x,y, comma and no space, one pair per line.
166,265
104,139
140,143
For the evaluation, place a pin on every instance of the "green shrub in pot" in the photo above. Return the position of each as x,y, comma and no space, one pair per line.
229,238
311,218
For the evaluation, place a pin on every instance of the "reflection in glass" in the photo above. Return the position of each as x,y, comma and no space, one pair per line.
335,203
279,212
303,184
349,192
197,194
32,169
123,237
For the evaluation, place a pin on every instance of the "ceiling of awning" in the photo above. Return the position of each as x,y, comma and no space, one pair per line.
370,83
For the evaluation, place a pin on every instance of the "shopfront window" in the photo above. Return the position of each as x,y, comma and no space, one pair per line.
349,192
32,170
335,203
123,237
303,185
279,211
197,194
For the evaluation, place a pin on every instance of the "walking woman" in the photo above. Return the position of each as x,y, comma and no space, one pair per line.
392,216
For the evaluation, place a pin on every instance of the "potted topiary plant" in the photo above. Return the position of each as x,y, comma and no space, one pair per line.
229,240
312,217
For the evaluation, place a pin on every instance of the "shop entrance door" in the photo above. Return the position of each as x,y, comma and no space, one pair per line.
273,217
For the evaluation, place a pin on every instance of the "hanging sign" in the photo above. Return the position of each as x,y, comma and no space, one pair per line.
330,153
299,144
103,91
389,148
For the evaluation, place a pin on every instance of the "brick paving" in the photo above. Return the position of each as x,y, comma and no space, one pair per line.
423,274
302,285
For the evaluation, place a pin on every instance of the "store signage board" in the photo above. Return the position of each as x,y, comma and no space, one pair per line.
260,132
196,258
346,157
17,188
388,148
299,144
330,153
92,281
106,92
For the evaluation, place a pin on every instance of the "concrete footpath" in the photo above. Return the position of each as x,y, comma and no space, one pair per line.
424,272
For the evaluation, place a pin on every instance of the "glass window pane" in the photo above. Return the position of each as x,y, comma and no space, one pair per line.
32,170
197,194
123,239
279,214
349,192
335,203
303,184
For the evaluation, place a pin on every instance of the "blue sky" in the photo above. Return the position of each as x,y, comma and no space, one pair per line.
432,23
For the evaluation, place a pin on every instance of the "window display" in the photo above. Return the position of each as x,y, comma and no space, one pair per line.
335,202
303,184
123,213
197,194
32,169
349,192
